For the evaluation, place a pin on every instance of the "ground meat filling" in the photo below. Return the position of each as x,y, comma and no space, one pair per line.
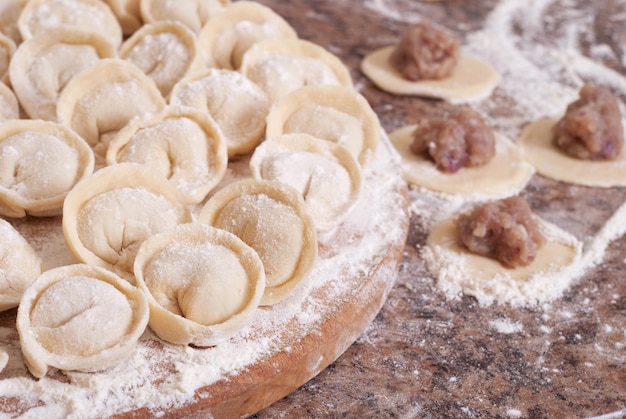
462,139
591,128
425,53
504,230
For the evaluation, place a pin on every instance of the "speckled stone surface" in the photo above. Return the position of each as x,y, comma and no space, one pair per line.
427,356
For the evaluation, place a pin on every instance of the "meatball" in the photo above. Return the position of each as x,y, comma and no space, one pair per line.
462,139
591,128
504,230
425,53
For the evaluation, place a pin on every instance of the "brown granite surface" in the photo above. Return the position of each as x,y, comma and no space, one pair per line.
426,356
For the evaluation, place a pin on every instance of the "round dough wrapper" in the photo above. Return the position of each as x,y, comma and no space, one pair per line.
183,144
39,16
101,100
457,270
9,14
334,113
127,13
281,66
163,51
9,106
472,79
79,317
108,215
194,14
270,217
203,284
223,41
40,162
237,105
504,175
550,161
19,266
326,174
42,66
7,50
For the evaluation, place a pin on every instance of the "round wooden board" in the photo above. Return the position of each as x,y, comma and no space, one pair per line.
283,347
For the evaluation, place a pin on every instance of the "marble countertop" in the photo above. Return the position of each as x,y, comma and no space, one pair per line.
428,356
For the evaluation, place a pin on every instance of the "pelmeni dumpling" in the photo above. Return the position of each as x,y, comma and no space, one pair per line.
183,144
107,216
128,14
334,113
7,49
203,283
19,266
38,16
194,14
237,105
79,317
9,14
223,41
43,65
163,51
270,217
9,106
326,174
281,66
40,161
101,100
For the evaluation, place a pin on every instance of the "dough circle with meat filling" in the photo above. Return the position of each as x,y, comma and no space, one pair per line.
457,270
472,79
540,151
504,175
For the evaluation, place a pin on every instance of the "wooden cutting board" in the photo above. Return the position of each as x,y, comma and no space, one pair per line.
284,347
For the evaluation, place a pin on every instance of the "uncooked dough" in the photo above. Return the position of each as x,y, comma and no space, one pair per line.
550,161
472,78
79,317
505,174
203,283
457,270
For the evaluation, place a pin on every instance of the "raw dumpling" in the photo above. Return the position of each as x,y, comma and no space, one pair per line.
39,16
281,66
101,100
270,217
107,216
79,317
9,107
42,66
9,14
203,283
183,144
162,50
194,14
223,41
127,13
40,161
237,105
19,266
326,174
334,113
7,49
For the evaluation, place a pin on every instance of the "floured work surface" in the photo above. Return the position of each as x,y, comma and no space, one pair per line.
283,347
426,355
